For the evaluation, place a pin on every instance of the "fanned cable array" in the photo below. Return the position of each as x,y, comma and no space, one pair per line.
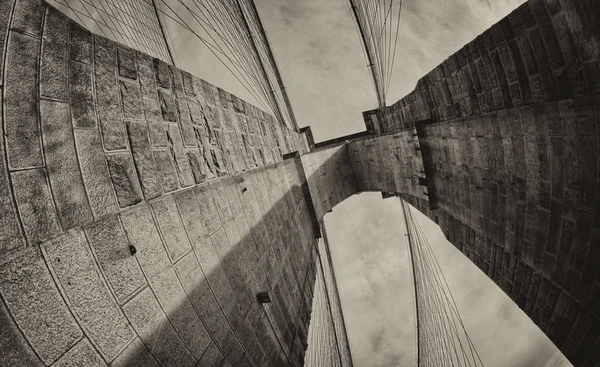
442,339
378,25
134,23
231,29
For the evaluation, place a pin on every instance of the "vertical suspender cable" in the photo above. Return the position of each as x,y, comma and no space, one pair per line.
162,30
412,261
380,101
263,33
262,66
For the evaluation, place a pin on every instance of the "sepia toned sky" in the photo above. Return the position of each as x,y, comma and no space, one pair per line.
370,258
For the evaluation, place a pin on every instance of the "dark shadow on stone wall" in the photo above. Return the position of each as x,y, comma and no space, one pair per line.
172,282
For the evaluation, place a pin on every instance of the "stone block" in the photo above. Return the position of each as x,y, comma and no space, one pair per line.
82,98
233,187
107,95
177,81
188,83
191,217
86,293
148,173
588,170
575,79
548,34
591,71
220,198
5,15
94,170
111,249
556,160
229,263
212,357
150,102
162,74
149,321
54,62
208,92
22,132
35,204
232,350
201,297
127,67
167,106
10,236
197,165
185,121
62,165
142,233
15,350
507,62
135,355
36,305
131,99
82,354
124,179
172,298
171,227
584,115
28,16
81,43
166,169
183,169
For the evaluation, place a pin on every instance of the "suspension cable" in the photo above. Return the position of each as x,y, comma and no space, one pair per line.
442,339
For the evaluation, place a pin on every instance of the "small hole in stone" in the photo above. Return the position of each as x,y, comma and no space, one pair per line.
132,249
244,190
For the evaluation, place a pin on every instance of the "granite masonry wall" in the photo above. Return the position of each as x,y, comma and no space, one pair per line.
544,51
509,125
142,210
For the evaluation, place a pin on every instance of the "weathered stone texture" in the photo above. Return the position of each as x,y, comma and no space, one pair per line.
82,354
185,320
111,249
171,228
62,165
166,170
124,179
94,130
136,355
35,205
28,16
94,170
81,43
89,298
54,62
36,304
23,143
143,234
131,99
10,237
148,320
144,160
15,350
127,67
107,95
167,106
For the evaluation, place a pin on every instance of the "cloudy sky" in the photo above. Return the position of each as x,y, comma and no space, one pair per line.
370,258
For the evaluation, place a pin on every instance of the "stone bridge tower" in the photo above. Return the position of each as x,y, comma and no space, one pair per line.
143,209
